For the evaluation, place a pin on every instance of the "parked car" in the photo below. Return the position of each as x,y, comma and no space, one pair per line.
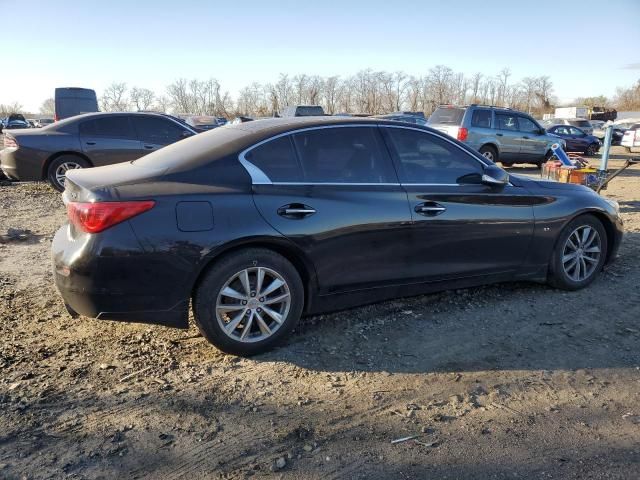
303,111
84,141
33,122
202,123
45,121
71,101
405,117
14,121
581,123
616,134
241,119
499,134
222,121
631,138
255,225
576,139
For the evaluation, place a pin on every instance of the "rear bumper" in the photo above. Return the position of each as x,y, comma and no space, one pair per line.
117,281
18,164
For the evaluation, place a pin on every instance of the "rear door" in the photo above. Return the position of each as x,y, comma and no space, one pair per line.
109,139
534,143
157,132
508,135
333,191
461,227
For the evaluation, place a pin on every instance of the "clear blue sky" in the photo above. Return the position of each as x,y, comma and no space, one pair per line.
150,43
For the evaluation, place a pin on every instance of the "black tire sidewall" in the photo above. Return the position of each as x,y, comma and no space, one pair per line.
51,170
204,301
489,148
558,277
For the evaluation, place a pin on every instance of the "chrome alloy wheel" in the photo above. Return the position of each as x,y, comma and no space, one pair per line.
581,253
61,171
488,155
253,304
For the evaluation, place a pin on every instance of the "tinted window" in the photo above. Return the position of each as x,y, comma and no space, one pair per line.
561,131
447,116
526,125
506,122
426,158
159,131
481,118
112,126
576,131
277,160
344,155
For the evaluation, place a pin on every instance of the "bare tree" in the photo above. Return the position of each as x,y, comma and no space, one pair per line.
163,104
8,109
114,98
48,107
142,98
503,81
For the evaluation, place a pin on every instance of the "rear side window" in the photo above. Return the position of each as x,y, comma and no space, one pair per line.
506,122
447,116
112,126
481,118
526,125
580,123
277,159
344,155
159,131
426,158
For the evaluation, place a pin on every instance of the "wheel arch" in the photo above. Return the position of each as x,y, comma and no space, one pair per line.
295,256
609,228
51,158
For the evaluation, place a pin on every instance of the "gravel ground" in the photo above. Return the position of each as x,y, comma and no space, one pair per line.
507,381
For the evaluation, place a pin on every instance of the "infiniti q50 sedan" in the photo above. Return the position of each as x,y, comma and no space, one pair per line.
256,224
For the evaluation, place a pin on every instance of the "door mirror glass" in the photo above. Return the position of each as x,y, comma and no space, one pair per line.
186,133
494,176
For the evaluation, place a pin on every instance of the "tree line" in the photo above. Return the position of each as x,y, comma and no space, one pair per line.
368,91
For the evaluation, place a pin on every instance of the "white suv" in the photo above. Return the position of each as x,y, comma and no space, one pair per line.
631,137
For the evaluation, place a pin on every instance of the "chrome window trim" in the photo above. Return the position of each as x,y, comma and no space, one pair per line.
259,177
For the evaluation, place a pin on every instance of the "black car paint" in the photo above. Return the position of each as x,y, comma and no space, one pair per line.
363,245
39,147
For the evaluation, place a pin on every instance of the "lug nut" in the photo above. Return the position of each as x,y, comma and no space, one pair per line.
244,302
253,294
261,299
259,310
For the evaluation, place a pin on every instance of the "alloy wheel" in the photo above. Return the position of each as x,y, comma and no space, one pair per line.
581,253
61,171
488,155
253,304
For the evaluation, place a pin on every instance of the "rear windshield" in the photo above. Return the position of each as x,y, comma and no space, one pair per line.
447,116
309,111
580,123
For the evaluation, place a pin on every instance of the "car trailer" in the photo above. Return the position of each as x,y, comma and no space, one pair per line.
568,168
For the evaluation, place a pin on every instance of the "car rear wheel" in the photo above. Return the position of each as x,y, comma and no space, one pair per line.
592,150
488,152
58,169
579,254
248,301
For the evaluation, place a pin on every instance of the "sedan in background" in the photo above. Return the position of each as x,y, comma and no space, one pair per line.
576,139
581,123
405,117
84,141
202,123
254,225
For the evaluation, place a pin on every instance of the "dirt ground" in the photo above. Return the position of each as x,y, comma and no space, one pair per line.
508,381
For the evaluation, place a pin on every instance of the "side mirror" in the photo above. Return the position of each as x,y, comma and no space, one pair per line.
494,176
186,133
542,131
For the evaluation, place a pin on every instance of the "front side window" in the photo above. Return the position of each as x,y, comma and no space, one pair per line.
561,131
506,122
277,159
343,155
117,126
527,126
481,118
576,131
158,131
426,158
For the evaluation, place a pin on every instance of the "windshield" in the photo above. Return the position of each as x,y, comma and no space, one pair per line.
447,116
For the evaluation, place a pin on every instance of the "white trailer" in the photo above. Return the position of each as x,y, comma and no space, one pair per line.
572,112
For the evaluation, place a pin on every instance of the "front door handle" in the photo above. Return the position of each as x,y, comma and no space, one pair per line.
526,138
90,143
149,147
296,211
429,209
498,134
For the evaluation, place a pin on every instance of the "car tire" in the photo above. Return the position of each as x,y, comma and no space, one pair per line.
227,298
58,167
592,150
507,164
566,274
489,152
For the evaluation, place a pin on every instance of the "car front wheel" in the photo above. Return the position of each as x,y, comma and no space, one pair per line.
248,301
592,150
579,254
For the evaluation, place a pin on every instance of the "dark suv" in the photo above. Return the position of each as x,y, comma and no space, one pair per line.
83,141
500,134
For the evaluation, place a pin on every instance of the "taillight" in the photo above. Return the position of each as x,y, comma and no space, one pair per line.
463,133
98,216
55,117
10,141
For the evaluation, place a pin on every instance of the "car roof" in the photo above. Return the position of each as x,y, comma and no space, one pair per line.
86,116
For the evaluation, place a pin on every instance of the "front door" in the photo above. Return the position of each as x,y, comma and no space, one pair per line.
508,136
461,228
534,142
333,191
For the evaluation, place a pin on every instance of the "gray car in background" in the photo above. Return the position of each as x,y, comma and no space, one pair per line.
499,134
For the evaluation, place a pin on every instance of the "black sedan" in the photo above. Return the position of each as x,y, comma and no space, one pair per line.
256,224
89,140
577,140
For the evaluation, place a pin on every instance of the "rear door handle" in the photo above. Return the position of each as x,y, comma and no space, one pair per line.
526,138
498,134
296,211
429,209
149,147
90,143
